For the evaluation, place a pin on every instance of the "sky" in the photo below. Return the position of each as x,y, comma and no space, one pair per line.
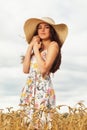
70,81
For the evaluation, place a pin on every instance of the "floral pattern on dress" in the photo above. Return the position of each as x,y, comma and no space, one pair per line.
38,91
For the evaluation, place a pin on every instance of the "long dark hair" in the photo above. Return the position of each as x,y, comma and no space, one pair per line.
54,37
57,62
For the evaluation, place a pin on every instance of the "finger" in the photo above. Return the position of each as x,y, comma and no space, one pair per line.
37,38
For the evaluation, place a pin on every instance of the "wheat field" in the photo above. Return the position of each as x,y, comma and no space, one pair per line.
74,119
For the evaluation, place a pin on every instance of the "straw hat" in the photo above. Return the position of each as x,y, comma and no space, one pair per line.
30,27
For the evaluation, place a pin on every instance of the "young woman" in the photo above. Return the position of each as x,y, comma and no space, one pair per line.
43,57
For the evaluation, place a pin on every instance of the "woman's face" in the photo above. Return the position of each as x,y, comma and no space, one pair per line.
44,31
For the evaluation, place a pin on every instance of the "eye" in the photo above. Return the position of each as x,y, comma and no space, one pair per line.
47,26
39,27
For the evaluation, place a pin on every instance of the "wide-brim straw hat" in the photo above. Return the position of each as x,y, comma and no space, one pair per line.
31,24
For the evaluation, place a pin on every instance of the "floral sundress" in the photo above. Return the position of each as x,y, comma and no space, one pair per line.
38,91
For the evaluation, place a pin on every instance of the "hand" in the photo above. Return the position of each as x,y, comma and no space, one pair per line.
35,39
36,46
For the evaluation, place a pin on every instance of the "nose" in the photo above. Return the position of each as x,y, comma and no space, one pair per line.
43,29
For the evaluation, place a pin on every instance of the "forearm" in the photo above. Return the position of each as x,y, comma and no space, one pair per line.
40,61
26,63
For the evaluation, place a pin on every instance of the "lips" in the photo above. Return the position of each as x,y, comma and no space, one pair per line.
42,33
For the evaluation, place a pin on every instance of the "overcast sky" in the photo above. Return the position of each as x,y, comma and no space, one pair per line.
70,82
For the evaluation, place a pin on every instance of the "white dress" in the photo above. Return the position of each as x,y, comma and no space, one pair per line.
38,92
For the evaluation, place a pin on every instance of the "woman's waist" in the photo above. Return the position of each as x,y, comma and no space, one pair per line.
36,75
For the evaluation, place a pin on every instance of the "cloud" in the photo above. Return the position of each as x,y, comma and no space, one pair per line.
9,101
12,81
11,52
71,77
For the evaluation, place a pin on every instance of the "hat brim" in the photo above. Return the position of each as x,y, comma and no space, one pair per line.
31,24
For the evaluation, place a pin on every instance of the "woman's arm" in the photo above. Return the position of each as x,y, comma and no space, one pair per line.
46,65
26,62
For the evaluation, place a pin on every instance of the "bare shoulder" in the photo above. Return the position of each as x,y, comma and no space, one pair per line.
53,46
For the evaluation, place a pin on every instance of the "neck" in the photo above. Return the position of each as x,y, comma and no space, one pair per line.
46,43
